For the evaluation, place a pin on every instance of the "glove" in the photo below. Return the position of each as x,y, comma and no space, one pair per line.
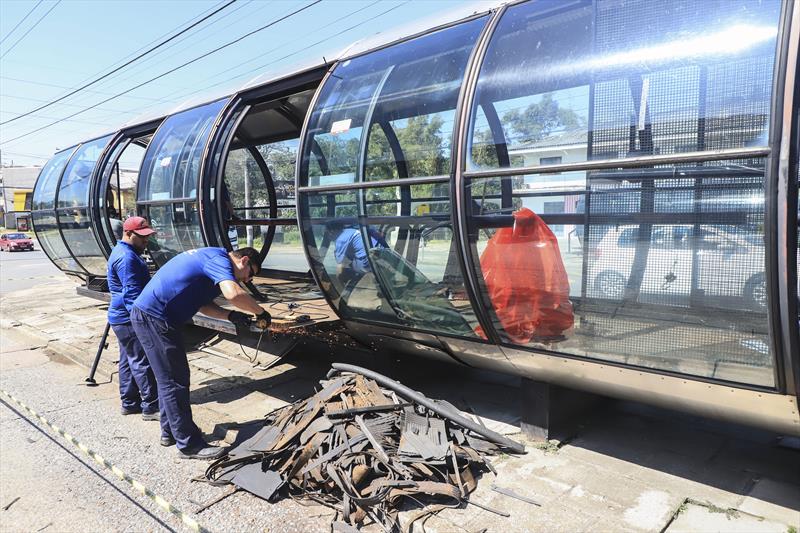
242,322
263,320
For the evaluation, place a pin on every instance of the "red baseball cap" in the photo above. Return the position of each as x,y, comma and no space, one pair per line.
139,226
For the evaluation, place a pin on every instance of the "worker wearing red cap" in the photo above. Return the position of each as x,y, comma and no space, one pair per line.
127,275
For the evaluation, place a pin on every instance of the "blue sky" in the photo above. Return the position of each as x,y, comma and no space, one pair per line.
79,40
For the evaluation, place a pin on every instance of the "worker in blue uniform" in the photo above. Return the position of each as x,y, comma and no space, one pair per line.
127,275
186,284
351,255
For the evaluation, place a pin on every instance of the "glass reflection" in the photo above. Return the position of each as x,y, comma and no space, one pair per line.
43,216
77,232
73,201
49,237
402,98
172,163
73,191
178,229
665,266
565,83
44,193
387,268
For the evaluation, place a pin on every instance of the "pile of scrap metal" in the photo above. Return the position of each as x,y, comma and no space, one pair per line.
364,445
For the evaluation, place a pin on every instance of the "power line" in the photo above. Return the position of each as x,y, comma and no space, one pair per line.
6,152
185,36
174,96
260,67
30,29
104,76
205,36
215,50
45,117
43,84
64,105
28,14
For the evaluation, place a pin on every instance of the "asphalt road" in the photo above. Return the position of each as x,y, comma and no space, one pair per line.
20,270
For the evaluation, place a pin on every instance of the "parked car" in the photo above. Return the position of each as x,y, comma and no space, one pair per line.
720,266
13,242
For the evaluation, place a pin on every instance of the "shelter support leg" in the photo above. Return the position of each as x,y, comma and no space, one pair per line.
553,412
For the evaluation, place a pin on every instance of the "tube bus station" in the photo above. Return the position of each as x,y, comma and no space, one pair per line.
590,197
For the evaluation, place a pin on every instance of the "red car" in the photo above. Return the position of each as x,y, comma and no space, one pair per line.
15,241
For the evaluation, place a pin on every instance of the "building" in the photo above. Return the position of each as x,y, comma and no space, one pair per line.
16,191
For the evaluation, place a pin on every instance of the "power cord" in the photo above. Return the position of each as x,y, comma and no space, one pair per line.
258,347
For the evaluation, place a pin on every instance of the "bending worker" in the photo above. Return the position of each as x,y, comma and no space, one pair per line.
127,275
186,284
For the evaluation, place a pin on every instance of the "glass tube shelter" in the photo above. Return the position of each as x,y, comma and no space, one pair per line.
597,196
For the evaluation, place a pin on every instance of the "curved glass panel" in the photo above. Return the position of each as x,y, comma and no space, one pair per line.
44,215
397,265
405,95
73,190
172,162
50,238
73,202
566,82
178,227
659,267
170,171
44,192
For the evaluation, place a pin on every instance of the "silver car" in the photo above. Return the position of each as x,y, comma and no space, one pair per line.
711,266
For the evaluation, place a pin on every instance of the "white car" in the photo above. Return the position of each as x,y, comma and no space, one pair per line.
721,266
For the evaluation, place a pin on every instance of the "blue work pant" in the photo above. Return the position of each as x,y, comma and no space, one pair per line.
137,384
164,347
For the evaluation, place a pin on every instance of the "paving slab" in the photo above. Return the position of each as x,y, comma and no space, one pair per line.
774,500
695,518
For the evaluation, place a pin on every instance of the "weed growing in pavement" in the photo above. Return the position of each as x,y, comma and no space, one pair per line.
729,513
551,446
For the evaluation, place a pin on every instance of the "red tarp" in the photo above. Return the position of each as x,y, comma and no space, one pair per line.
527,281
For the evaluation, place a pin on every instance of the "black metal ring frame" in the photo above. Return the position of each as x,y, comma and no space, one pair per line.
84,273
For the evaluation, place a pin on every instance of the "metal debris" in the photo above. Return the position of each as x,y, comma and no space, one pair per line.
365,451
511,494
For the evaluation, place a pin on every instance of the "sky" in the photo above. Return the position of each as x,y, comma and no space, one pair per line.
50,47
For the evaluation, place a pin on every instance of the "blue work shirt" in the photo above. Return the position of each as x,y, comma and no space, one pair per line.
350,245
185,284
127,275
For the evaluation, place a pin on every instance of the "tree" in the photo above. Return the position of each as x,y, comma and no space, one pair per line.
538,120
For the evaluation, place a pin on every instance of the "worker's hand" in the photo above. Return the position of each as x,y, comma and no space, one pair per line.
263,320
242,322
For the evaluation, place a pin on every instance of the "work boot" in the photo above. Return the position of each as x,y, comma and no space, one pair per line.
125,411
167,442
151,416
207,452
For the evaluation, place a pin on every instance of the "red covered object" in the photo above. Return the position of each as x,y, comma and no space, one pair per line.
527,281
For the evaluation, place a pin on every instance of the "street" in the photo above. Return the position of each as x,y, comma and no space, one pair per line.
25,269
627,468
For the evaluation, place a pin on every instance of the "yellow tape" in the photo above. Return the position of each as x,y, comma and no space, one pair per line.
190,522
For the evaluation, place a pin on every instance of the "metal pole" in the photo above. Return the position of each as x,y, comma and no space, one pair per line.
90,382
247,204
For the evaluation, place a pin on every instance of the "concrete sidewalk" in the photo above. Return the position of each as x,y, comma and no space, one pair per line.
630,468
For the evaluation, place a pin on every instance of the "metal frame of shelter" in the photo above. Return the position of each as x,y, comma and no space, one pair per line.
198,156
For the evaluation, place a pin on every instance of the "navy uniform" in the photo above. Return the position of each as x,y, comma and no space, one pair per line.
127,275
177,291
